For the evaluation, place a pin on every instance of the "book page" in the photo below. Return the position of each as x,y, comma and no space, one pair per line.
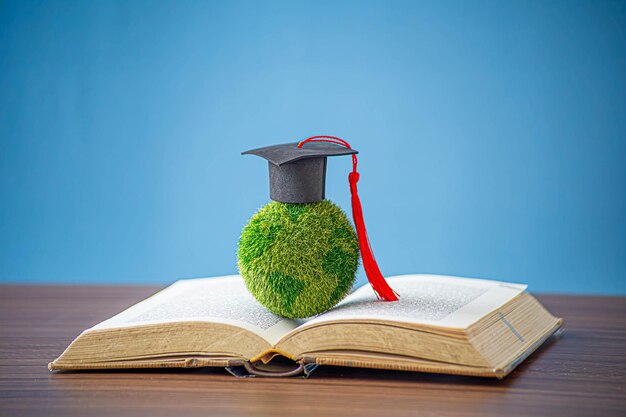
217,300
426,299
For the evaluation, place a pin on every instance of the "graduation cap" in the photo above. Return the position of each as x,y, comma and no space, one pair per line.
298,175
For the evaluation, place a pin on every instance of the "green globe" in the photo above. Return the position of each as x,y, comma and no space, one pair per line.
298,260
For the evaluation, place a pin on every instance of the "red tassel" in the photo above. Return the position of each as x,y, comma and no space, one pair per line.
379,284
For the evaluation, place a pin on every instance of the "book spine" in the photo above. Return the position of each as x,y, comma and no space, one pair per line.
248,369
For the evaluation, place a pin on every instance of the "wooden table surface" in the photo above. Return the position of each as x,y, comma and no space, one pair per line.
582,372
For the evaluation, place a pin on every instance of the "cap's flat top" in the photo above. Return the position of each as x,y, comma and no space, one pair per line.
289,152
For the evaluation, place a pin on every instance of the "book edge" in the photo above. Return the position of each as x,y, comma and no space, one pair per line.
508,368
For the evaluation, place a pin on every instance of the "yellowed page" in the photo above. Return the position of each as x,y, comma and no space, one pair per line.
436,300
216,300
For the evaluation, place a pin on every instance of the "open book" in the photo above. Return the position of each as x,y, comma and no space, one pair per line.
440,324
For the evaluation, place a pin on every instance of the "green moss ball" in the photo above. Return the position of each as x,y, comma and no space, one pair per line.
298,260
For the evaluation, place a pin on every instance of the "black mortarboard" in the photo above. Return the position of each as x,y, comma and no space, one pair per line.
298,174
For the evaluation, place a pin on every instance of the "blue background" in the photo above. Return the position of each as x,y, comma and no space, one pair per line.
492,134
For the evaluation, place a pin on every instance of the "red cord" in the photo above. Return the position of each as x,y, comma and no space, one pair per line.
377,280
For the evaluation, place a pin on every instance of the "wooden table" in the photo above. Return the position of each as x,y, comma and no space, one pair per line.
580,373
